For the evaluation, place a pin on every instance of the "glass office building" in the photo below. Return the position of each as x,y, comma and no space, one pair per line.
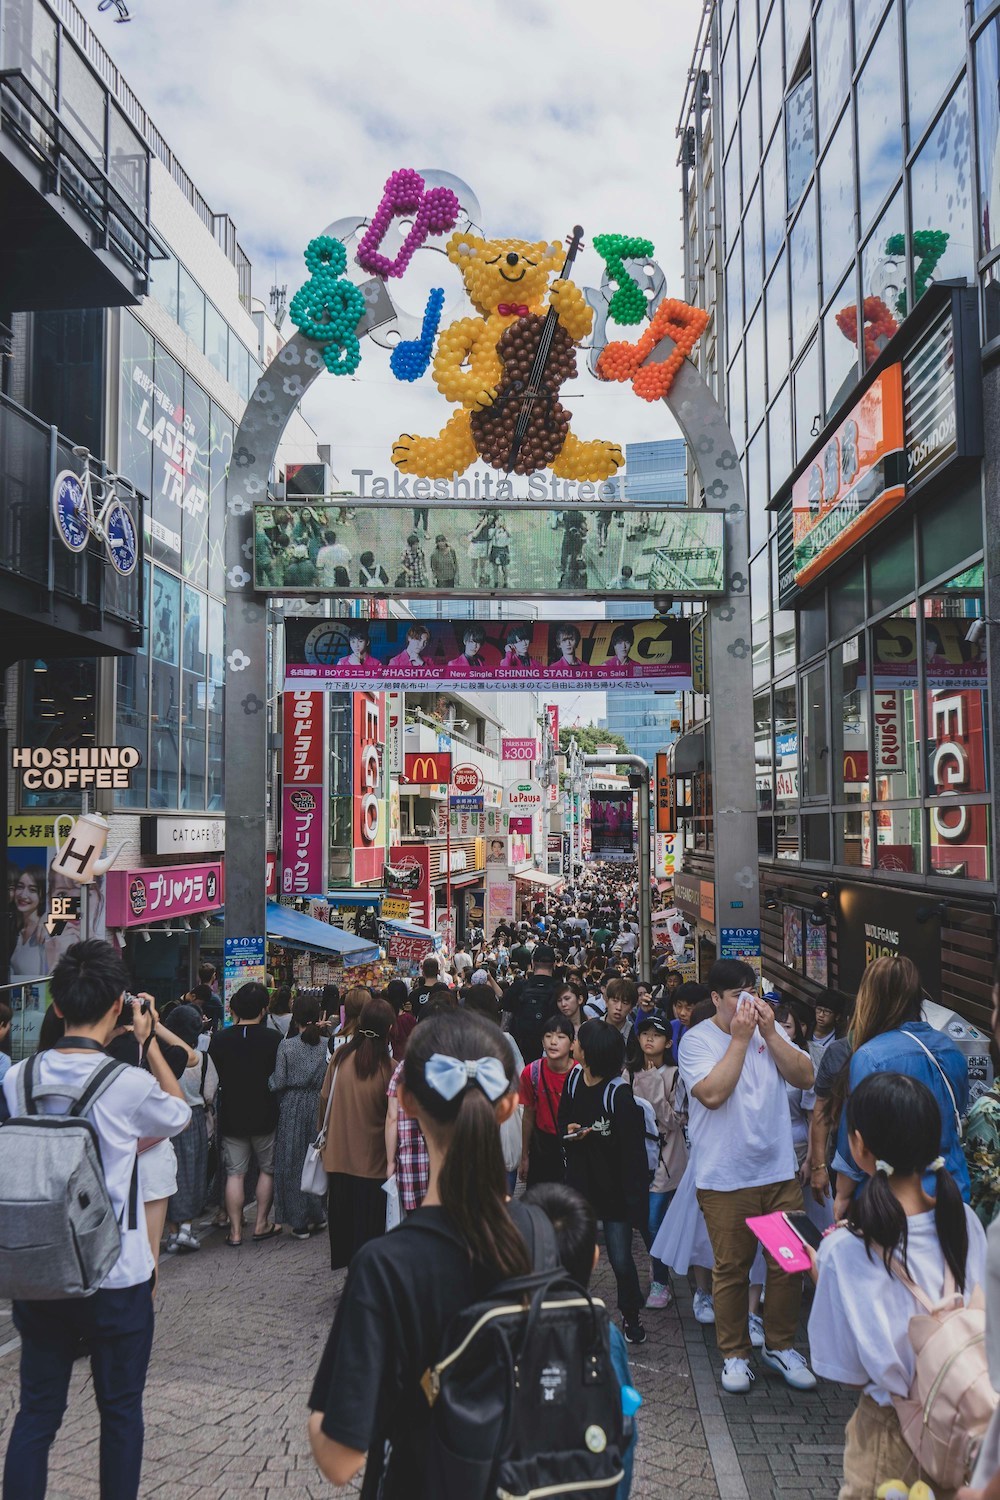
655,473
841,178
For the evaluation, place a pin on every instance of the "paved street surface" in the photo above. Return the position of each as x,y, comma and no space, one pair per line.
239,1334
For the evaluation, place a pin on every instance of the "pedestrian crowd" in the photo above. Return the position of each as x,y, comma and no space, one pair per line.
471,1140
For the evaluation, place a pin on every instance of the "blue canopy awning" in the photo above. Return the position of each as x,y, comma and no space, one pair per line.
298,930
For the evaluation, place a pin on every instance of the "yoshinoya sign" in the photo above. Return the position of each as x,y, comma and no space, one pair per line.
137,897
164,834
103,767
855,480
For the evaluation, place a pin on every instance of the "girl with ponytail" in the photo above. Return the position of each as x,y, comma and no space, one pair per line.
859,1325
403,1289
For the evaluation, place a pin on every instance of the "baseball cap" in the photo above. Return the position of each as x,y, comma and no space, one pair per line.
655,1023
543,954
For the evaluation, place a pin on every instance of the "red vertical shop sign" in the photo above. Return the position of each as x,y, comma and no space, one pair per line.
959,832
303,796
369,806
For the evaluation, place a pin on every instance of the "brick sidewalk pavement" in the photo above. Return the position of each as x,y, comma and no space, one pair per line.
239,1334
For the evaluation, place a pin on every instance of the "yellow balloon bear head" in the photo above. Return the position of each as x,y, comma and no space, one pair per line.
897,1489
503,271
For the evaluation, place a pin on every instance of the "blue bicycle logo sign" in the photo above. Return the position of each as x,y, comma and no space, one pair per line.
88,505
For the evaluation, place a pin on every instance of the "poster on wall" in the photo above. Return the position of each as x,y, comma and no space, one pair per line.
612,830
407,873
816,948
950,660
791,923
35,892
376,654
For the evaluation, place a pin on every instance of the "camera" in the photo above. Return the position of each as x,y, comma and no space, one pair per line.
137,1004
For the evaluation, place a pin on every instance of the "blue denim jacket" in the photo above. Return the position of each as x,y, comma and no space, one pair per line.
894,1052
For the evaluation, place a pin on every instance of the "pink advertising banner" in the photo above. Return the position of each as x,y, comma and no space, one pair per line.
518,749
381,654
302,757
519,823
136,897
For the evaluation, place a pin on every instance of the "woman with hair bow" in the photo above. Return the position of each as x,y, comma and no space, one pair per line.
404,1289
354,1150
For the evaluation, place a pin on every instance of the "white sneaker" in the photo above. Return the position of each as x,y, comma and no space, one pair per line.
704,1307
791,1364
170,1247
737,1376
185,1240
659,1295
756,1330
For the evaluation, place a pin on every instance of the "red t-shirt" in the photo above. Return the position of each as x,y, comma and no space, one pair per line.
545,1099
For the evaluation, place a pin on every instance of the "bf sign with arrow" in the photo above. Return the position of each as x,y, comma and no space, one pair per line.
64,909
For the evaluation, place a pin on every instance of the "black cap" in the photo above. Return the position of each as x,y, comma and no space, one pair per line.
656,1023
543,954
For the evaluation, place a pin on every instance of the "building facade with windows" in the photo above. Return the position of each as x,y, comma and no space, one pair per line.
655,474
841,181
142,350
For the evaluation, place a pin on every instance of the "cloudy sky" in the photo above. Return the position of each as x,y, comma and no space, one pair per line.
290,115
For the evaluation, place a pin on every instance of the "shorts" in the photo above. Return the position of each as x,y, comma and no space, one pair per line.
237,1150
158,1172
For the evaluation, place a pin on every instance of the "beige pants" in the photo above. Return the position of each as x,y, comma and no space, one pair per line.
735,1247
875,1451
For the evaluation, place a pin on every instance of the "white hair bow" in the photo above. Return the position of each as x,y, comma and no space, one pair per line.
448,1076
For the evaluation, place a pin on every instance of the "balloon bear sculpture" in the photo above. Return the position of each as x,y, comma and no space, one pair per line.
484,361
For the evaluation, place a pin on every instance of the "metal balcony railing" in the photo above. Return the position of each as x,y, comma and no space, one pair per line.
75,176
31,455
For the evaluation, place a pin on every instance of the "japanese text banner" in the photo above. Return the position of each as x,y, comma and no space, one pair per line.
374,654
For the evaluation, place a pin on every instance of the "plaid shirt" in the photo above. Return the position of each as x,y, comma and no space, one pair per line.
414,568
413,1166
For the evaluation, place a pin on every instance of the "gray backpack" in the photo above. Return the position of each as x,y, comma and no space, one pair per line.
59,1235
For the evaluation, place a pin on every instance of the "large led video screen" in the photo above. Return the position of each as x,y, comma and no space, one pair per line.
357,548
377,654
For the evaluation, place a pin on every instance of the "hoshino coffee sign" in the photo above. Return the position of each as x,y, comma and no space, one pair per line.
104,767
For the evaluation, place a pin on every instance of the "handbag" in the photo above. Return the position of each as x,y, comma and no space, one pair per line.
313,1178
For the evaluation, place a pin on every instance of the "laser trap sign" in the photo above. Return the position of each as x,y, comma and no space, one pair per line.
357,548
380,654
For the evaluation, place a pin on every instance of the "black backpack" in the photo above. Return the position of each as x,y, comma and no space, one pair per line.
524,1398
534,1006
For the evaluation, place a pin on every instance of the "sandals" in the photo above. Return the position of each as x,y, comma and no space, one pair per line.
233,1244
269,1233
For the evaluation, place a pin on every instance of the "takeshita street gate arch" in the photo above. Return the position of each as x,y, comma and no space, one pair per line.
484,365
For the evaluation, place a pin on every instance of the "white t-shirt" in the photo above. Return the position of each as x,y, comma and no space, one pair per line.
801,1103
747,1141
859,1324
134,1106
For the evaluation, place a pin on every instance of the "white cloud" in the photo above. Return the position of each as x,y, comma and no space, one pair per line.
290,115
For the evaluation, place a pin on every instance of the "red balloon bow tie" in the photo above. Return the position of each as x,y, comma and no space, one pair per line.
512,310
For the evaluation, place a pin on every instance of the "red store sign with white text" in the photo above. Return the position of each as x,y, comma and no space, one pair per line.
302,756
959,832
137,897
369,734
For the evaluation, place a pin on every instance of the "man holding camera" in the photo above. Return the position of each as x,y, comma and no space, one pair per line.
89,991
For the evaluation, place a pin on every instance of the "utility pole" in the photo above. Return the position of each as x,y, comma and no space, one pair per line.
639,782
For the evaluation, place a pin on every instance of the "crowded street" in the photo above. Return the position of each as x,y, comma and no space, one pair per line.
500,973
